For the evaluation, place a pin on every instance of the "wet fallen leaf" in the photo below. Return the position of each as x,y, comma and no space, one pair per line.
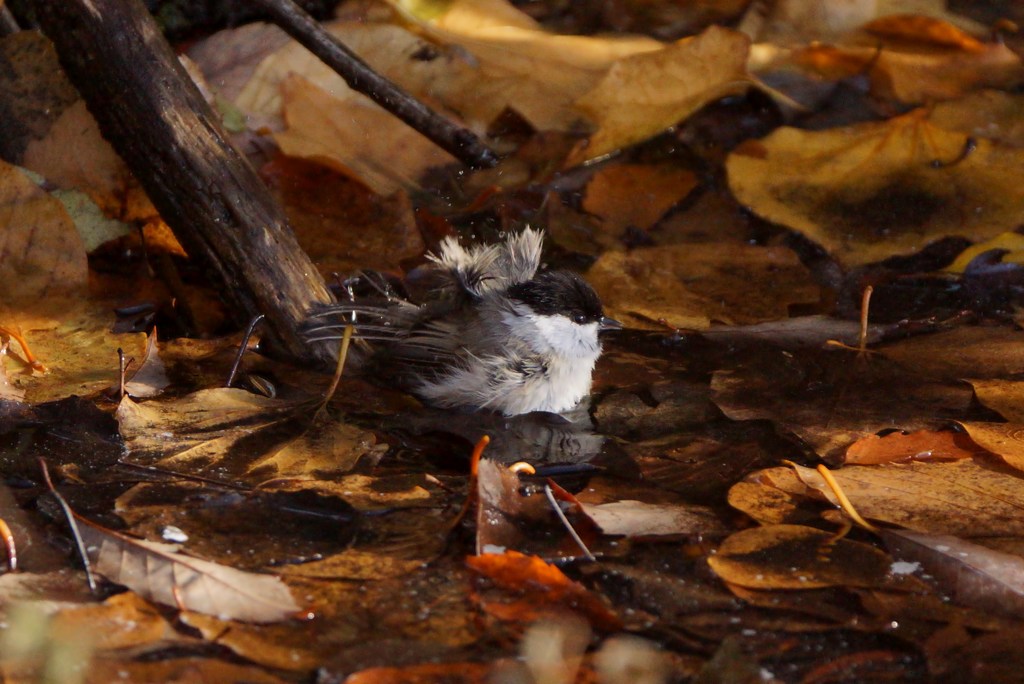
923,445
1006,440
123,621
910,54
797,557
1004,396
50,131
8,392
829,402
922,59
276,647
148,376
963,498
874,190
544,588
639,519
687,286
973,575
509,520
1012,243
775,496
159,572
199,432
177,670
71,336
428,673
965,352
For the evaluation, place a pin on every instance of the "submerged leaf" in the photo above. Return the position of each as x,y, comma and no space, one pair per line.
160,573
797,557
239,434
974,575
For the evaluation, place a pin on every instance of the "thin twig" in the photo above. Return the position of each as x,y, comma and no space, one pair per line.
460,142
72,523
865,308
474,472
548,492
241,349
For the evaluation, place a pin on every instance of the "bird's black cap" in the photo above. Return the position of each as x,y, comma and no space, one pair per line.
563,293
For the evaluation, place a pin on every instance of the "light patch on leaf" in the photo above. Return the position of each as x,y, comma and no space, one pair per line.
875,190
356,137
41,253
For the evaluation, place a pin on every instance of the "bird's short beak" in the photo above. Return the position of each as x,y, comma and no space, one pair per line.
608,324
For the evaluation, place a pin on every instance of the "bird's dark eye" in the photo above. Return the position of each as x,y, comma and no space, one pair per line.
579,319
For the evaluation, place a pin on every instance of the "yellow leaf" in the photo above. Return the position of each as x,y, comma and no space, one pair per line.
874,190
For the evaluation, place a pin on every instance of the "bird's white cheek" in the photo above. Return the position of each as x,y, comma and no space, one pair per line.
566,337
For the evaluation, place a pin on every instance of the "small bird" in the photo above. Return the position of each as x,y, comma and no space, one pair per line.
493,332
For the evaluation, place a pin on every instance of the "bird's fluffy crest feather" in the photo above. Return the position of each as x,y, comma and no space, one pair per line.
482,268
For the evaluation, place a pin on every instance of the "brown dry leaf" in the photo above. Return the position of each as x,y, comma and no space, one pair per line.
544,586
874,190
479,58
48,130
470,73
160,573
75,155
973,575
640,519
642,95
1006,440
689,285
41,253
1004,396
797,557
239,434
354,136
637,195
962,498
923,445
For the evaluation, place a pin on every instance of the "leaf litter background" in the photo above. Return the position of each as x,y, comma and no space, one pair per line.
770,162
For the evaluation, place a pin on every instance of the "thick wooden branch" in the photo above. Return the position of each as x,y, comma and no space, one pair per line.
156,119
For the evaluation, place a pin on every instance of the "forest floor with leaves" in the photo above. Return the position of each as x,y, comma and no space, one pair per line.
802,460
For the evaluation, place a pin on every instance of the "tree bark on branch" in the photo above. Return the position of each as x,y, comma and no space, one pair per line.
154,116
